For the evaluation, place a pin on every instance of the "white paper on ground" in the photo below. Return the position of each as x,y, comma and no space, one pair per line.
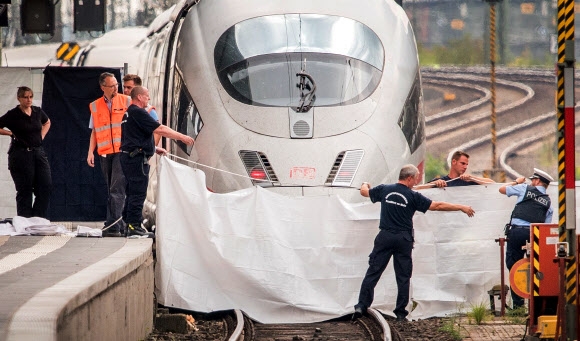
35,226
85,231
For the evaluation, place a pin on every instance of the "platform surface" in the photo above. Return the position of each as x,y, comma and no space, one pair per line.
30,265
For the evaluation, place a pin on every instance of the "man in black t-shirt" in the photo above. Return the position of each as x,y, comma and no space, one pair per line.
458,175
137,146
398,205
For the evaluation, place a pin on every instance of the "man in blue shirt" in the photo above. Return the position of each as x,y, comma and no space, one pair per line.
458,175
398,205
533,206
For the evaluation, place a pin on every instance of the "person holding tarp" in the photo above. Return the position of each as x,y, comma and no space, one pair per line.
533,206
458,175
129,82
27,162
398,205
137,146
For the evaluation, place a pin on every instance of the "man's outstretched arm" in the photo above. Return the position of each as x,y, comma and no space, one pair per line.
445,206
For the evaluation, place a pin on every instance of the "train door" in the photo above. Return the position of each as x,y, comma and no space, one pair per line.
154,60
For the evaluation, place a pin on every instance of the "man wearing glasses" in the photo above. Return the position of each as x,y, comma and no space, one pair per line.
106,116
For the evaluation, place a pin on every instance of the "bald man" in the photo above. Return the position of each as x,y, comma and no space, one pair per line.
137,146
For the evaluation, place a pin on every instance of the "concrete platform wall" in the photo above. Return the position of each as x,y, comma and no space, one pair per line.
124,311
109,300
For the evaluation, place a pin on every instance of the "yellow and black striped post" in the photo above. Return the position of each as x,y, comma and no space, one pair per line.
66,51
566,152
536,260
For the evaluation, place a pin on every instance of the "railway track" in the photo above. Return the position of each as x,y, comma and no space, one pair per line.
371,327
524,107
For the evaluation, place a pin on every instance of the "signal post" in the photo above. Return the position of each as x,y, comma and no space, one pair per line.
566,158
495,173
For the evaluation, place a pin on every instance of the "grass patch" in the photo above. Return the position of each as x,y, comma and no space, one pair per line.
516,316
451,325
462,51
479,313
468,50
452,328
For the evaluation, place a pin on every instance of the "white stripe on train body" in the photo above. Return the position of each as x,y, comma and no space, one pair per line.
225,72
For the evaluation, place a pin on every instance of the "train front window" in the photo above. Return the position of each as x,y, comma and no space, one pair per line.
258,60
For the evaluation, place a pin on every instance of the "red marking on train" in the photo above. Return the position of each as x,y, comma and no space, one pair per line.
303,173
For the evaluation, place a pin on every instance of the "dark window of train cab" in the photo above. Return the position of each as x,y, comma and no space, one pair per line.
185,118
257,60
411,121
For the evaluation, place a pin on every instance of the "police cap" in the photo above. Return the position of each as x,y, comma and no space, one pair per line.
543,176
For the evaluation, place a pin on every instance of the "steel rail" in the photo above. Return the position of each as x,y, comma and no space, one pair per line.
237,335
387,335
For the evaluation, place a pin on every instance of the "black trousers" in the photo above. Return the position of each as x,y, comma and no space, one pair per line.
387,244
136,179
31,174
517,238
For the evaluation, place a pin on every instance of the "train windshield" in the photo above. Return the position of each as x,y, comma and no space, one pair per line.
259,60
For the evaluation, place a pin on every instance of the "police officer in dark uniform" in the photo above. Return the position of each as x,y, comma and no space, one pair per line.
533,206
398,205
137,147
28,164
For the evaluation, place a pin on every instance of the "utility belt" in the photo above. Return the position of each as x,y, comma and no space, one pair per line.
520,226
21,147
508,227
136,152
411,232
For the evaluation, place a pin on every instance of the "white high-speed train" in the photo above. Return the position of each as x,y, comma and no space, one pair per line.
303,97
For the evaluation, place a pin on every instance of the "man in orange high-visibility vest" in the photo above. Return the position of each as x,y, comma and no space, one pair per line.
106,116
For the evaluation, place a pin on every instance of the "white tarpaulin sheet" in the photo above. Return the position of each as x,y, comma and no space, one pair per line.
293,260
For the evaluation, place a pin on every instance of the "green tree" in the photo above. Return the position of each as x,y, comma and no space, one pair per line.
435,166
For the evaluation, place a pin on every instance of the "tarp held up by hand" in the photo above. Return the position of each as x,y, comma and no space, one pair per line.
295,260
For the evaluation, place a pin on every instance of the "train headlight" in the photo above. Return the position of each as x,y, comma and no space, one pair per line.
258,174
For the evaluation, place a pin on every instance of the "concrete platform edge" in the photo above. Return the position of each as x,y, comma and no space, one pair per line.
39,318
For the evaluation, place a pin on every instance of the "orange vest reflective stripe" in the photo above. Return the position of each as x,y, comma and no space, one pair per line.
107,124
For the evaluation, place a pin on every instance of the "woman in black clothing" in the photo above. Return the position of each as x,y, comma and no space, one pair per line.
27,125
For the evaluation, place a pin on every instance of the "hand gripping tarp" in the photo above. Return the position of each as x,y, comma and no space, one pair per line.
302,259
